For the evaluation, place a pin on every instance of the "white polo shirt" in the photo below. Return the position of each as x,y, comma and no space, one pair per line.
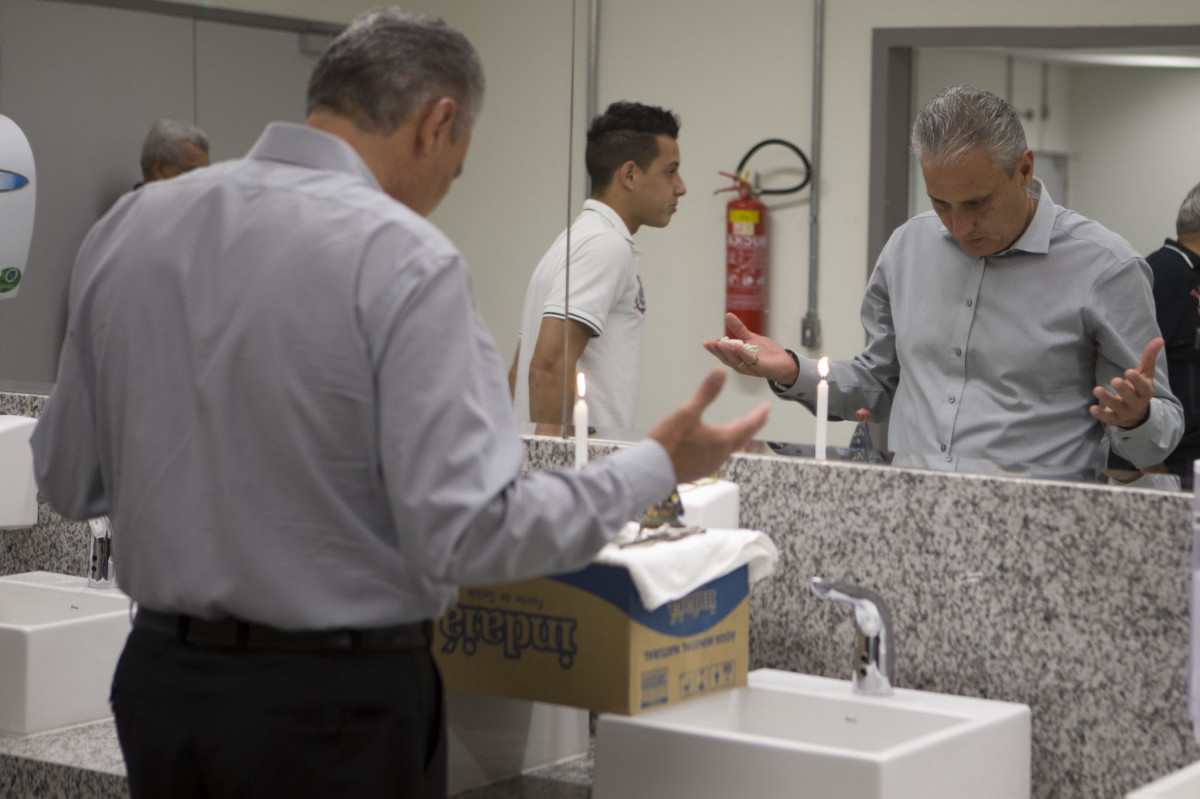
607,296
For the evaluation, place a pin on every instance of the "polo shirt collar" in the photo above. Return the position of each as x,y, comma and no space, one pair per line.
308,147
1188,253
612,216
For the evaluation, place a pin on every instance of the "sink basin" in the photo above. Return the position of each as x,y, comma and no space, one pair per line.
59,644
798,735
1182,784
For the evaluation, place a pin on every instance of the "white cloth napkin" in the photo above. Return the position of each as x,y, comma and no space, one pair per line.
669,570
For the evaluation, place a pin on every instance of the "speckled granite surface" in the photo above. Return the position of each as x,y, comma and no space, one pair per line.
17,404
82,761
1071,598
570,779
55,544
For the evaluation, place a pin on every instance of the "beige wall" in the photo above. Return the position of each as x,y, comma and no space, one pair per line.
936,68
1126,133
1138,159
736,73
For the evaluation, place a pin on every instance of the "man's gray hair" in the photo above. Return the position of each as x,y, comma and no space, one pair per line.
389,64
1188,220
166,139
961,119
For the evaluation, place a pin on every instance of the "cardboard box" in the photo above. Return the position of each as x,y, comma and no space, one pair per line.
585,639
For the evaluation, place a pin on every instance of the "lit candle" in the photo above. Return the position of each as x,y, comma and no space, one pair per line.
822,407
581,423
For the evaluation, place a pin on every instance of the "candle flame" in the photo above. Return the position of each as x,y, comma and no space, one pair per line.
580,385
823,367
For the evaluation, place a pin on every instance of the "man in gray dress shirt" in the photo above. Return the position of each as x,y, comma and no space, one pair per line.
1001,327
277,385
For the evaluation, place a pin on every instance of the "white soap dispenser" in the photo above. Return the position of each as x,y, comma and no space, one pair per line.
18,193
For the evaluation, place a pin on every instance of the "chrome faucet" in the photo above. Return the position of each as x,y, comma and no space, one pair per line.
873,667
101,570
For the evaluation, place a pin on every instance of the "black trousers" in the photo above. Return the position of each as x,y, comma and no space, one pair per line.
201,722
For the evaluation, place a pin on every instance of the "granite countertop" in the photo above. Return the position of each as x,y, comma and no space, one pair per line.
85,761
81,761
567,779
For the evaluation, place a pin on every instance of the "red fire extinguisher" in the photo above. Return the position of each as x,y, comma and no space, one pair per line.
746,240
746,256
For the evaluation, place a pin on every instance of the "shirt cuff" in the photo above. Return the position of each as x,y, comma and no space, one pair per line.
1151,441
805,386
647,469
596,323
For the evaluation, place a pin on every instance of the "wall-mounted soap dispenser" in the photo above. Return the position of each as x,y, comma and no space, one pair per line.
18,195
18,186
18,490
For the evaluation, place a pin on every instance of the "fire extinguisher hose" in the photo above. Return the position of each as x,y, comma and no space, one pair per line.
784,143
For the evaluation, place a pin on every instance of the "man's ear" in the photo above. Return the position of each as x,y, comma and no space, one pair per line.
627,174
436,124
1025,167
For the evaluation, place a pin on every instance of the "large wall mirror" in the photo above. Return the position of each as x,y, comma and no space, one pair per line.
1107,111
85,79
525,179
1101,125
1098,102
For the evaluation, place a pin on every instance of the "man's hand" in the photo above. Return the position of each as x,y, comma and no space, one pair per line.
1129,407
696,449
772,361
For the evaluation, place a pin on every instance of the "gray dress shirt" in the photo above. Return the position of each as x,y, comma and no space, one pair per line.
276,383
995,358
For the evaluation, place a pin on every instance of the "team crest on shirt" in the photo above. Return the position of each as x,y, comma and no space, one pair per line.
639,302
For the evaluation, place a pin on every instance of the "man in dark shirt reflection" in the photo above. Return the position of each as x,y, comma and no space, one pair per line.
1176,267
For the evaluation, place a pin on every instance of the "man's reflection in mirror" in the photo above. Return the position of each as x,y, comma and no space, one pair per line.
172,148
633,162
1176,268
1001,327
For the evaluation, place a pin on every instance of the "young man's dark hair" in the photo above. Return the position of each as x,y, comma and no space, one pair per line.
626,132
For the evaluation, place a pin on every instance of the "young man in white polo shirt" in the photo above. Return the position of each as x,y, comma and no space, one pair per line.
633,162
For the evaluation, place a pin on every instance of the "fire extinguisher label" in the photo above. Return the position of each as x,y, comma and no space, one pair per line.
746,261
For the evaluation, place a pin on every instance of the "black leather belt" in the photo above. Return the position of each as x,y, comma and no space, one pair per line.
235,634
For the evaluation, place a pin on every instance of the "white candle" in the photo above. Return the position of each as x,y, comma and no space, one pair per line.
822,407
581,423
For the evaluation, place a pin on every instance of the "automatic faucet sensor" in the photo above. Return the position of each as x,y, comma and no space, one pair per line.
101,572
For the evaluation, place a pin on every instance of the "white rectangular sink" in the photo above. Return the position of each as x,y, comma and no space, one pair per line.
59,644
1182,784
798,735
